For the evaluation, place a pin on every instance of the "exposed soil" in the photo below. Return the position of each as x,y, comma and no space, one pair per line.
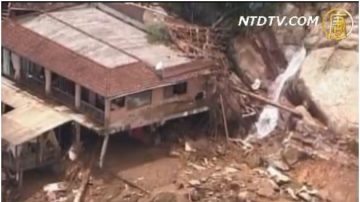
222,171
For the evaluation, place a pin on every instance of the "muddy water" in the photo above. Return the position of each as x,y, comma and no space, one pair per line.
270,114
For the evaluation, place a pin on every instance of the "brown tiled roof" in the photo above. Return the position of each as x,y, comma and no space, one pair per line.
40,6
104,81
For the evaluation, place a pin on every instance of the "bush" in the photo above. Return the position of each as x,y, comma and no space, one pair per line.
157,33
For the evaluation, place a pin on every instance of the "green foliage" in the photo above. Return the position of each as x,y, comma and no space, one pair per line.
157,33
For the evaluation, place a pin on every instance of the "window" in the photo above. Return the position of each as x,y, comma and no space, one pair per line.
63,84
100,102
84,94
36,72
200,96
119,102
7,67
177,89
139,99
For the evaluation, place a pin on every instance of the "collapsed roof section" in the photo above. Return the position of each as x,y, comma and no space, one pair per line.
97,50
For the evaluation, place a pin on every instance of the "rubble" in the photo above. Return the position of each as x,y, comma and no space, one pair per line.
233,169
278,177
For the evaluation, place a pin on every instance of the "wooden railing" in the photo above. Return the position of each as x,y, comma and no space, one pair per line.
94,112
64,98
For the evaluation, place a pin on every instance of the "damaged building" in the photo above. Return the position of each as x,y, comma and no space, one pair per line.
89,67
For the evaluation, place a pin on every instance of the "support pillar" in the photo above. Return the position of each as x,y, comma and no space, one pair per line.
77,96
77,133
19,170
47,81
16,65
107,112
103,150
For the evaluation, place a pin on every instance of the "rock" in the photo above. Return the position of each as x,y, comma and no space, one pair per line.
291,192
195,195
277,175
305,196
278,163
164,197
235,186
243,196
188,148
291,155
254,160
350,43
194,183
228,170
331,75
265,189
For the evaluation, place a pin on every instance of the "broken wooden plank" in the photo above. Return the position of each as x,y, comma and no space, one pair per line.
224,118
130,183
81,192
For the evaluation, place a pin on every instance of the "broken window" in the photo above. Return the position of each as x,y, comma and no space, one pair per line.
118,103
139,99
177,89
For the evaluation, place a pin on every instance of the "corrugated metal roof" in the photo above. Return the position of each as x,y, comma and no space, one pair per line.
28,122
26,103
105,81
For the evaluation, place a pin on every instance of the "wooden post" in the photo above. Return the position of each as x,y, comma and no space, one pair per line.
47,81
41,145
224,118
77,96
103,150
19,171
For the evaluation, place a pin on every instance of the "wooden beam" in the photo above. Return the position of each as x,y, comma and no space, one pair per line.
224,117
267,101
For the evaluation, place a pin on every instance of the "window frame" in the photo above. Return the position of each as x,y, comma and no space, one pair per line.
130,97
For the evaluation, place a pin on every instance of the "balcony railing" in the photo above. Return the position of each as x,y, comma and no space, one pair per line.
65,98
94,112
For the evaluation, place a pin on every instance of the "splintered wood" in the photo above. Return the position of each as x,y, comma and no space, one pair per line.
196,41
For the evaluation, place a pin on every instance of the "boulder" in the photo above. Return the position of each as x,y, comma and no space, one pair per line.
331,75
164,197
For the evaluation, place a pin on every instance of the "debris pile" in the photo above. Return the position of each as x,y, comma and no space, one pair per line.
244,184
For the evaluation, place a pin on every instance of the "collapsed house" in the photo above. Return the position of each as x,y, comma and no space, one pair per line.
90,65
